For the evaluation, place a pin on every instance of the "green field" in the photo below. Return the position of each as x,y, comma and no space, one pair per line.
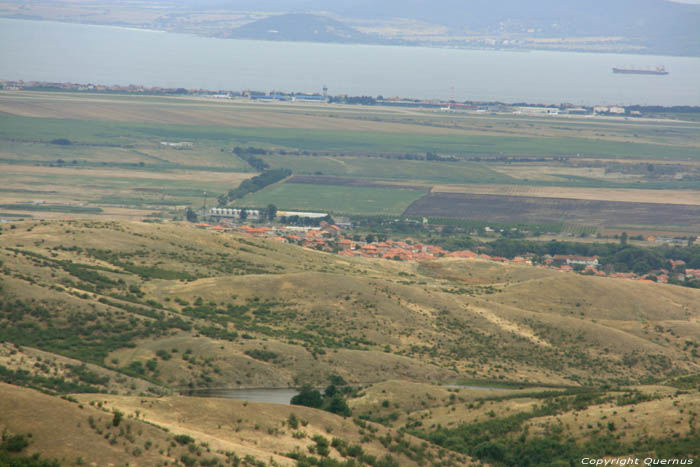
388,169
125,134
145,157
113,157
338,199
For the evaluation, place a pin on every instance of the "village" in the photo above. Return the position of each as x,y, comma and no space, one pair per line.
337,238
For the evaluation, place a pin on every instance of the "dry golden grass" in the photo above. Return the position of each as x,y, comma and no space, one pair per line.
408,396
51,365
509,322
668,416
421,322
247,428
61,430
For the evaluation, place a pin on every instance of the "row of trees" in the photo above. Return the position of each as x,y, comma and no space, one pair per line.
254,184
250,154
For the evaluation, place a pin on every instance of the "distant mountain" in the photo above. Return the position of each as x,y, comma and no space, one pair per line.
299,27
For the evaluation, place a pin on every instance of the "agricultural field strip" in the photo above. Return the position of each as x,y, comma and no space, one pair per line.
684,197
96,156
196,114
500,208
95,131
335,199
188,110
355,182
116,174
201,102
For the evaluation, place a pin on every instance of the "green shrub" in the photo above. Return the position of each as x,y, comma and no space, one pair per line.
118,416
14,443
183,439
188,461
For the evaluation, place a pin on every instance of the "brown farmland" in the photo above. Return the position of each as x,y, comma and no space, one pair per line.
527,209
601,194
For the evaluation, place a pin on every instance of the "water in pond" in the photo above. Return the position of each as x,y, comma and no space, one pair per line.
273,396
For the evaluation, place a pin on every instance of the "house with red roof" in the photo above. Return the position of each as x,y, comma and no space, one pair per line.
345,244
692,273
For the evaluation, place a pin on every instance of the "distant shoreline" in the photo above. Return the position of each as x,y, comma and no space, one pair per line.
381,43
308,98
58,52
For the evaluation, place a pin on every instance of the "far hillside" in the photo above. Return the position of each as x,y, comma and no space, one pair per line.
299,27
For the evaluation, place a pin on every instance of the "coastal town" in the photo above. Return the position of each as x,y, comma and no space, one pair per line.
441,105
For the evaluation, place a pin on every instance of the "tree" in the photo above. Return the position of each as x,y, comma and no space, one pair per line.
337,380
338,406
243,214
271,212
623,238
641,267
191,215
118,416
308,397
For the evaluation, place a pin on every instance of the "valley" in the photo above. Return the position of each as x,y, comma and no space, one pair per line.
503,331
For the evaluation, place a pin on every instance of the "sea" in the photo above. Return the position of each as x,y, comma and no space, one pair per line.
81,53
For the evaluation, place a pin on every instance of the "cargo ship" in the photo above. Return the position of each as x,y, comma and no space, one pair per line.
659,70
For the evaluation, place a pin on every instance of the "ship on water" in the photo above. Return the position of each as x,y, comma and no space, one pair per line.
659,70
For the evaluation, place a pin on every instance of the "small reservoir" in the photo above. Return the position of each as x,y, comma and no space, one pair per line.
269,395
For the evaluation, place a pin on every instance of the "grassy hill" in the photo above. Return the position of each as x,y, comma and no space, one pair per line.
299,27
118,293
129,314
190,431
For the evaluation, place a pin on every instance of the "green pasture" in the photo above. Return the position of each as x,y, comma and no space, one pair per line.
203,157
117,190
336,199
129,134
388,169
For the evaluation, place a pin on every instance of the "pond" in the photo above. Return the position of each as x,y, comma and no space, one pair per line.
270,395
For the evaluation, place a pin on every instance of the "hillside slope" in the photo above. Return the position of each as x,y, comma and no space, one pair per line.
299,27
191,308
187,431
124,316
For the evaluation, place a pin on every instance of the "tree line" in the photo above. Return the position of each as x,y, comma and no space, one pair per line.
257,183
